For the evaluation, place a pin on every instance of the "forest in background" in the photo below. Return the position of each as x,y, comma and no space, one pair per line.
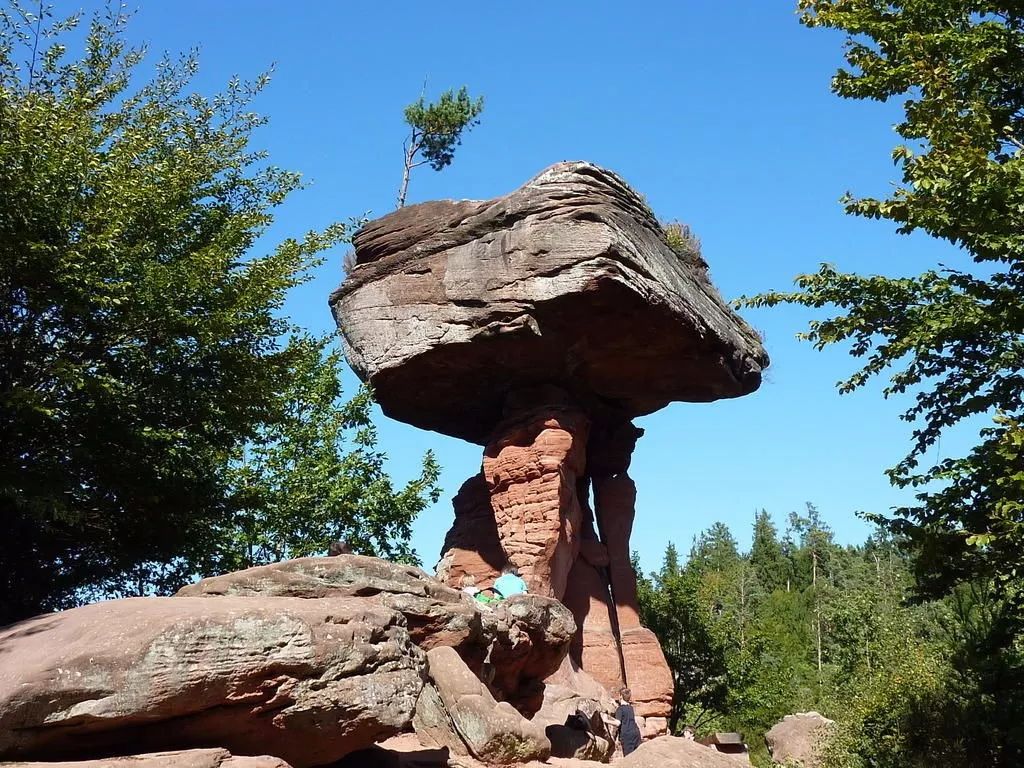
162,419
802,623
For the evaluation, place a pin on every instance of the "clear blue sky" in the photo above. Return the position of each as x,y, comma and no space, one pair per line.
720,115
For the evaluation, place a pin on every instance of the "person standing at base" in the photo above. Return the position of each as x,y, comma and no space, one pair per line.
629,732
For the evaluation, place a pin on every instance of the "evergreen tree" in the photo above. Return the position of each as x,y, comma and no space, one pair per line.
766,554
435,130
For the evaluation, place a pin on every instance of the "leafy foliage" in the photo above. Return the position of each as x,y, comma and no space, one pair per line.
908,684
669,606
296,489
954,339
141,341
682,239
435,130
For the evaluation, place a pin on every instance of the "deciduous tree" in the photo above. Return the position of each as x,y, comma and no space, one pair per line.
952,338
141,337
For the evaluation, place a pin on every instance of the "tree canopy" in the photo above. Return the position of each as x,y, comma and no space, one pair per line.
952,338
142,343
909,684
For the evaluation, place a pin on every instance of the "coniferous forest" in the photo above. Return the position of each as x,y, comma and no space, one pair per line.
802,623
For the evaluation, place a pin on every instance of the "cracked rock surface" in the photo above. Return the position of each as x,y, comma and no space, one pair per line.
568,281
305,680
307,660
526,637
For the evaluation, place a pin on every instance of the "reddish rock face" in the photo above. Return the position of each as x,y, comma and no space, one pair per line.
189,758
797,739
531,470
254,674
569,280
538,324
472,548
309,659
595,647
650,679
529,508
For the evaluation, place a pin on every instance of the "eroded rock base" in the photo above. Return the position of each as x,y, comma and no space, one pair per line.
554,500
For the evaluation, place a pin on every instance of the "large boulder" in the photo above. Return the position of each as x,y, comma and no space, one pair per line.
524,639
676,752
435,613
797,739
305,680
189,758
455,710
568,280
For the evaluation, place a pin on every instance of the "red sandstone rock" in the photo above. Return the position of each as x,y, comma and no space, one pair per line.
525,637
662,752
456,710
796,739
595,647
472,547
568,280
647,673
614,505
308,680
189,758
531,469
535,323
309,659
435,614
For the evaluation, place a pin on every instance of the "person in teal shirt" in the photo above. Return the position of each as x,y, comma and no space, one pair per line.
510,583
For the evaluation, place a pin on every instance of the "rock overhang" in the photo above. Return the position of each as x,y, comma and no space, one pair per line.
567,281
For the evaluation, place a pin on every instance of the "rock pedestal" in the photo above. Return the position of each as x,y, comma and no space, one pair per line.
538,325
530,509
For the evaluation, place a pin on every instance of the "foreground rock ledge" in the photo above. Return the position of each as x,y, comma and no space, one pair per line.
567,281
189,758
307,660
304,680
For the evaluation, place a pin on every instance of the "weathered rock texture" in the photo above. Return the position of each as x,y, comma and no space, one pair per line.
305,680
189,758
525,638
796,739
408,751
456,710
525,501
539,324
307,659
568,281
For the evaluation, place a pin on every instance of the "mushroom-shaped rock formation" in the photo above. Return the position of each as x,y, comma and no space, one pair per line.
539,324
568,280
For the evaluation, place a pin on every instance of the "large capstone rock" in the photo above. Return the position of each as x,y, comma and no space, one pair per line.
566,281
523,639
305,680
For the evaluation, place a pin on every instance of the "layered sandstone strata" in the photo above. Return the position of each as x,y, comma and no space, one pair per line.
539,324
307,660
